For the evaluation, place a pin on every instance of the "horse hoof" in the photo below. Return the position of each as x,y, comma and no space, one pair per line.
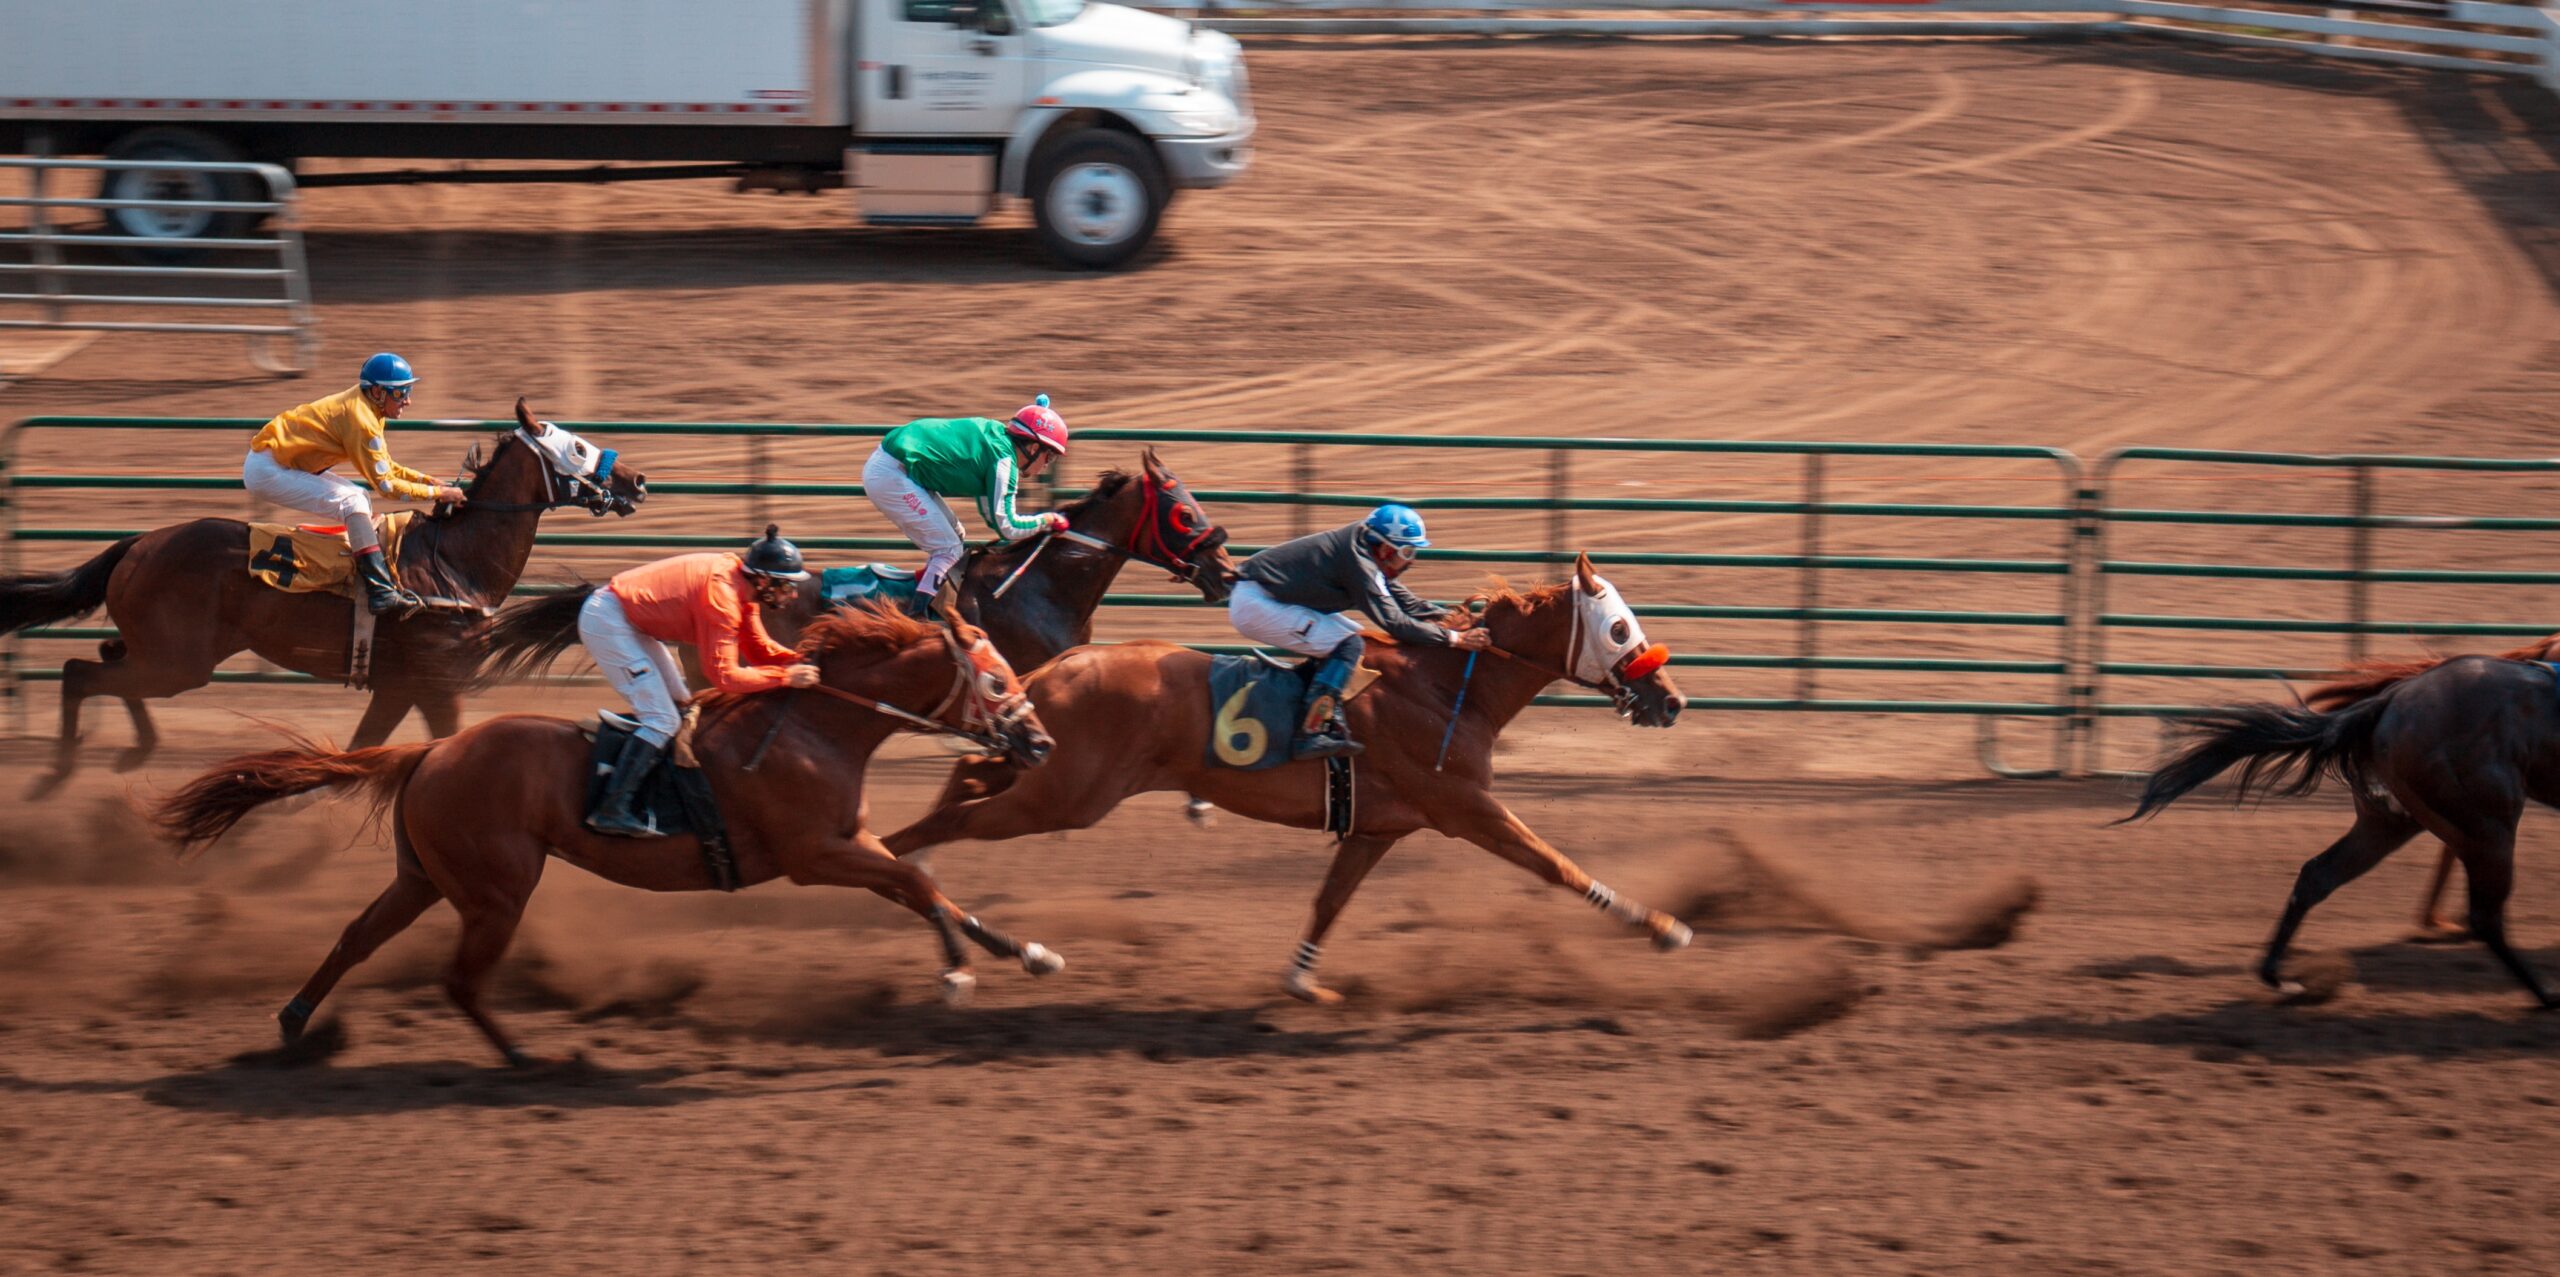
1040,959
957,986
2291,990
1202,813
1304,988
1673,938
132,759
518,1059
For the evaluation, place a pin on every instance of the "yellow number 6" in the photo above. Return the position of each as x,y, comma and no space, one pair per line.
1232,751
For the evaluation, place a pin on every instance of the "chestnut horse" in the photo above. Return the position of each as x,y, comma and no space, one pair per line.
183,600
2455,751
475,816
1131,718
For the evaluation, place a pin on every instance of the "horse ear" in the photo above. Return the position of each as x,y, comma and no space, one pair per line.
1584,576
524,418
1154,467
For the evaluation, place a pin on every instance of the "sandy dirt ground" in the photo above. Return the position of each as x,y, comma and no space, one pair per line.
1876,1059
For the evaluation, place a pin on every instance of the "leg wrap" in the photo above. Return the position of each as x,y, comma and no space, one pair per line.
1307,953
1607,901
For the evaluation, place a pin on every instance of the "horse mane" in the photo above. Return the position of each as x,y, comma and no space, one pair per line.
2364,680
871,625
1499,593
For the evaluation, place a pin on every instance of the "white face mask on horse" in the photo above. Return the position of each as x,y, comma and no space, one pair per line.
1609,648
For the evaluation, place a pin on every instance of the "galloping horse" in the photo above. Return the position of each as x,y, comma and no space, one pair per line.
1036,597
475,816
2365,679
1135,717
183,600
2454,751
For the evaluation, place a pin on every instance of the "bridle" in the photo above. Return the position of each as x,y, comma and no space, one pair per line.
591,493
988,712
1146,540
1621,694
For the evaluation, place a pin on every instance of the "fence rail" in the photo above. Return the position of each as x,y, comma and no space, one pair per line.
2068,643
281,341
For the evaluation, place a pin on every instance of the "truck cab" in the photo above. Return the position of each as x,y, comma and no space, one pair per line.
1095,113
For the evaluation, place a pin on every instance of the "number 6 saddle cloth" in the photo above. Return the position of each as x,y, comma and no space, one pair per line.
1255,702
312,558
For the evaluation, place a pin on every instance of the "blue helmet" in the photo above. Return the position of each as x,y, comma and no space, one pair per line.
1396,525
388,371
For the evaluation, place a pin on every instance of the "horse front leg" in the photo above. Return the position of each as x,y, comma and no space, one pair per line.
1352,862
382,716
862,861
1481,819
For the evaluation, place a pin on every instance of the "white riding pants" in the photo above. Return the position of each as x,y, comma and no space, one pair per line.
349,503
1268,621
638,666
925,517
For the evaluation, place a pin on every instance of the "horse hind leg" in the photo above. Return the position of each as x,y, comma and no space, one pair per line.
409,895
2489,863
487,928
2433,926
117,674
2376,834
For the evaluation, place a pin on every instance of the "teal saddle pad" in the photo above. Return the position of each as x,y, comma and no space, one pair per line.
842,587
1253,707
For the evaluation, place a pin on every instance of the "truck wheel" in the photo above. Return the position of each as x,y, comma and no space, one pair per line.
164,234
1097,196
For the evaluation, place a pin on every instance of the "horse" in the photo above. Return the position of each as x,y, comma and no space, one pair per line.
1036,597
1134,717
2454,751
183,600
2364,679
475,816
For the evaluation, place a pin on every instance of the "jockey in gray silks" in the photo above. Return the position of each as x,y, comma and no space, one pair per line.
1294,595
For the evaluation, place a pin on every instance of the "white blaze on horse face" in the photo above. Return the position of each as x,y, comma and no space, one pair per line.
1608,631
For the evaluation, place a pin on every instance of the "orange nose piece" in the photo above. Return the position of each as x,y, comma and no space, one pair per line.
1646,661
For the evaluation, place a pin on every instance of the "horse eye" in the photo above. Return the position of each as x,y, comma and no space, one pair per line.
992,684
1618,630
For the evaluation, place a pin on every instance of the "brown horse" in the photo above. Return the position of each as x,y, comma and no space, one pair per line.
1135,717
2366,679
183,600
475,816
2455,751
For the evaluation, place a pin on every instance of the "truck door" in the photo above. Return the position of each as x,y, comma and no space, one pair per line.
942,68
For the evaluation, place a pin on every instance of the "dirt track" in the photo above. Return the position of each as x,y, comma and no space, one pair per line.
1980,243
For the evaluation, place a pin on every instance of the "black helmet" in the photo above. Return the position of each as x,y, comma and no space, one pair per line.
775,557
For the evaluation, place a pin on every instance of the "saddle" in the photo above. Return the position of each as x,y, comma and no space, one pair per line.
313,558
674,800
1255,701
896,586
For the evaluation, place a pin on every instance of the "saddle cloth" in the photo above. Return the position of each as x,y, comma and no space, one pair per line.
843,587
313,558
1254,703
673,800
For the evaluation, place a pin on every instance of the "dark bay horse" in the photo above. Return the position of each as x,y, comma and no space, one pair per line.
1051,585
2364,679
183,600
2455,751
1131,718
475,816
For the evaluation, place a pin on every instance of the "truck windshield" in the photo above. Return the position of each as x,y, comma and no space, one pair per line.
1050,13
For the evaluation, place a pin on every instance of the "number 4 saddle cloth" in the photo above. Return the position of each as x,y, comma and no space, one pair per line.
313,558
1256,701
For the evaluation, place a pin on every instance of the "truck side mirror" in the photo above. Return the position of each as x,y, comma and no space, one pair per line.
995,19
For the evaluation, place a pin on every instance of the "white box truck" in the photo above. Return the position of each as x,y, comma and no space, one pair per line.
929,109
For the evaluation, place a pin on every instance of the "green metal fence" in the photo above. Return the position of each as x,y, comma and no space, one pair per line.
2059,552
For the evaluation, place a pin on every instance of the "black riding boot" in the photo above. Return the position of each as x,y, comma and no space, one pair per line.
613,815
1323,732
383,595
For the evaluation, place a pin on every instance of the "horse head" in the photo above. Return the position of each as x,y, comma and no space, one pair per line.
1172,532
539,465
1588,634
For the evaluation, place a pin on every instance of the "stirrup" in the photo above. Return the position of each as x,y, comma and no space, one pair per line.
1325,744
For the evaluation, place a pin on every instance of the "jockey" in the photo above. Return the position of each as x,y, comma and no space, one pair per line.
922,462
289,462
708,600
1293,596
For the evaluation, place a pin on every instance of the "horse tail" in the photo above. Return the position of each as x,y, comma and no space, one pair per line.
2281,750
42,598
212,803
524,639
2367,679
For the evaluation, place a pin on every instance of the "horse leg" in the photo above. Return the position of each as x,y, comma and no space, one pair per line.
409,895
119,676
2377,833
443,712
1036,958
1352,862
488,925
2432,924
2489,864
1484,821
864,862
146,736
382,716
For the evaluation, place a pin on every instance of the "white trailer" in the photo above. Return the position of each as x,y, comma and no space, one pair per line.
930,109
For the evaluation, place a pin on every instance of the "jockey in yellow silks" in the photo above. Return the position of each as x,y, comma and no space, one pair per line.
289,464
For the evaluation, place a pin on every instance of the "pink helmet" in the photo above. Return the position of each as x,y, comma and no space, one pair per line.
1041,424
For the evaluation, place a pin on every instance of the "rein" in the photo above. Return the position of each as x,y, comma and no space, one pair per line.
930,721
1164,557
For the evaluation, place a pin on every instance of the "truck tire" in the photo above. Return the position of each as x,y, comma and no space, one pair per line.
1096,196
165,234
